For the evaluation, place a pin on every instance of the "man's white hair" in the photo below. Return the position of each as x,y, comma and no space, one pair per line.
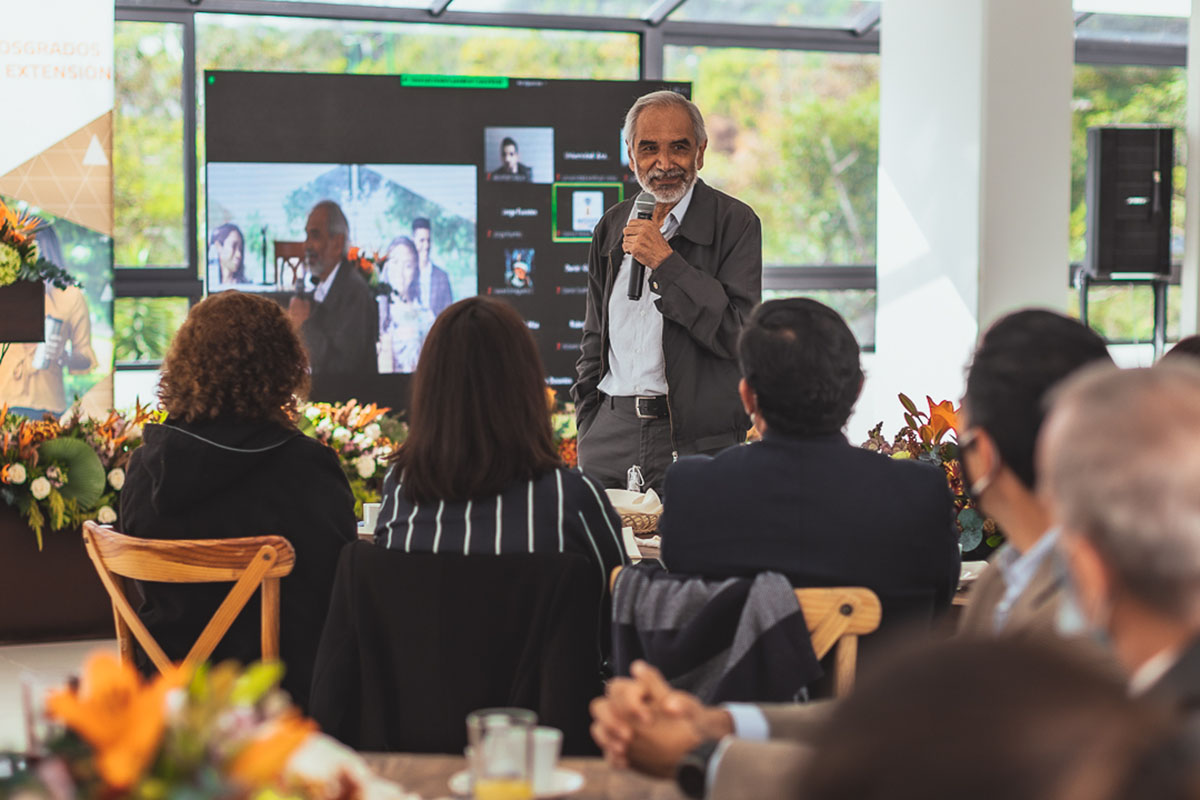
335,221
664,99
1120,458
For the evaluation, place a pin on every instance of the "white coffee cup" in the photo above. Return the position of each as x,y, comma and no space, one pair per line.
370,516
547,742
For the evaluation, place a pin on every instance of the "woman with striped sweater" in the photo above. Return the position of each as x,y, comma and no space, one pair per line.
479,473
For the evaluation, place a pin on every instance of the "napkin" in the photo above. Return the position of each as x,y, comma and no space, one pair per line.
627,502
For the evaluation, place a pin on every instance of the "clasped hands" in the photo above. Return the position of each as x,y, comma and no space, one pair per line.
644,241
641,722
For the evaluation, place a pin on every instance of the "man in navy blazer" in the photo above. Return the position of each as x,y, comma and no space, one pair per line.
804,501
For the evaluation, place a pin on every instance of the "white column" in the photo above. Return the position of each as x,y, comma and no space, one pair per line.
1189,321
974,184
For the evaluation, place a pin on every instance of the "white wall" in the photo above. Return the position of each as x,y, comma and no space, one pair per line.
974,184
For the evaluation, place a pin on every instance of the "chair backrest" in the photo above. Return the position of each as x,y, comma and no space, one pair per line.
414,642
246,562
835,618
288,256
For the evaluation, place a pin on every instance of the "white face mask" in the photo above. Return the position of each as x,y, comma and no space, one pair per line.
1070,620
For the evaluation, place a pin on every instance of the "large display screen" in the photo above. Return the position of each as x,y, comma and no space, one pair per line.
451,186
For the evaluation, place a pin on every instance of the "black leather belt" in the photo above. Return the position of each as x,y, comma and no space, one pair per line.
643,406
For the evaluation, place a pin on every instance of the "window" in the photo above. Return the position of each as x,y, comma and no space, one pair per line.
148,172
796,135
1110,95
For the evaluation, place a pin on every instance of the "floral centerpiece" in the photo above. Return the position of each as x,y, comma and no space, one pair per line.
60,473
371,268
20,259
932,436
363,436
222,732
562,421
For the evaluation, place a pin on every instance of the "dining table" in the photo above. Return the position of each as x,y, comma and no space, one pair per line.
428,775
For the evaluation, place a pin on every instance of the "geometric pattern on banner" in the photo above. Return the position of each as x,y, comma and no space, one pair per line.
70,179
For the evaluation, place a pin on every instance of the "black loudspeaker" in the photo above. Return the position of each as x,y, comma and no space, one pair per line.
1129,200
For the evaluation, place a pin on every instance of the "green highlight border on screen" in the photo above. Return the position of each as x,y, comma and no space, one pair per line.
454,81
554,237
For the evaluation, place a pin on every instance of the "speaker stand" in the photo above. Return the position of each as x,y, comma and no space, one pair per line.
1158,285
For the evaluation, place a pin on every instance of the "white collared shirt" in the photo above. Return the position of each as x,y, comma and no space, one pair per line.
322,289
635,357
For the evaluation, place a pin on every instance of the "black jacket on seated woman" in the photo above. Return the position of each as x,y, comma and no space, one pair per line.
227,463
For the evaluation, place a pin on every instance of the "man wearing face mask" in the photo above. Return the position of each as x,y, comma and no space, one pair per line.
1119,466
657,371
1020,358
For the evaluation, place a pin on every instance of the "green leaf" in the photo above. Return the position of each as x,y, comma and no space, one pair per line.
910,422
970,520
253,684
85,473
970,539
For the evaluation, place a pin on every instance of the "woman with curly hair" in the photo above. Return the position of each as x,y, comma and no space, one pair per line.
230,462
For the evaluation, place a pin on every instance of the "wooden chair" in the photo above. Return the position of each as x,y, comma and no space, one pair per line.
835,618
289,259
246,562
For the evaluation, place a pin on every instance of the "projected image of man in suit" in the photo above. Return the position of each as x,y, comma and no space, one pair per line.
432,280
511,167
338,321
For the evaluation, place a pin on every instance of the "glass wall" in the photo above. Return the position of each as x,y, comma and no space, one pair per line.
1116,95
148,185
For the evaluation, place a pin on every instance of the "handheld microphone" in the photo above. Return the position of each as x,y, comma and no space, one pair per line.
644,206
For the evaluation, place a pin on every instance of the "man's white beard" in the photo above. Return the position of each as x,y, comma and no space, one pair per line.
667,196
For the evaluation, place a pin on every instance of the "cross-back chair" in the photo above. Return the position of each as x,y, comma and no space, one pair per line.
835,617
248,563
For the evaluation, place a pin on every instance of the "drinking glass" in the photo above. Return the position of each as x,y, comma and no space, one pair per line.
501,753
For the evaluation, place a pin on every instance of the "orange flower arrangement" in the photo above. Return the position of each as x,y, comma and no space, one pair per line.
932,436
263,759
20,259
121,718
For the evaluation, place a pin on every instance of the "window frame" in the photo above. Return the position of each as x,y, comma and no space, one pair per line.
655,31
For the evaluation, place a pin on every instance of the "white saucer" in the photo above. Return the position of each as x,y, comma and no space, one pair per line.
563,782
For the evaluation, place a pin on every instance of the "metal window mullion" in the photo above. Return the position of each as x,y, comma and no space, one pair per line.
651,46
190,166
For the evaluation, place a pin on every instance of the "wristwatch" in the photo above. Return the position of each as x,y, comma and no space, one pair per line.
692,773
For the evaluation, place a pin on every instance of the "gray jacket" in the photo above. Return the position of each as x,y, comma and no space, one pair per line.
705,289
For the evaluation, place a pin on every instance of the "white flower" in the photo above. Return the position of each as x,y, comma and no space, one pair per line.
116,478
312,412
15,474
373,431
365,466
39,488
106,516
340,435
324,427
360,441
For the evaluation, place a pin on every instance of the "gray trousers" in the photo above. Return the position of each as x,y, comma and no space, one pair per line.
617,440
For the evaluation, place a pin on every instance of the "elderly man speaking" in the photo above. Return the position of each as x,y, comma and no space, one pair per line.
670,281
